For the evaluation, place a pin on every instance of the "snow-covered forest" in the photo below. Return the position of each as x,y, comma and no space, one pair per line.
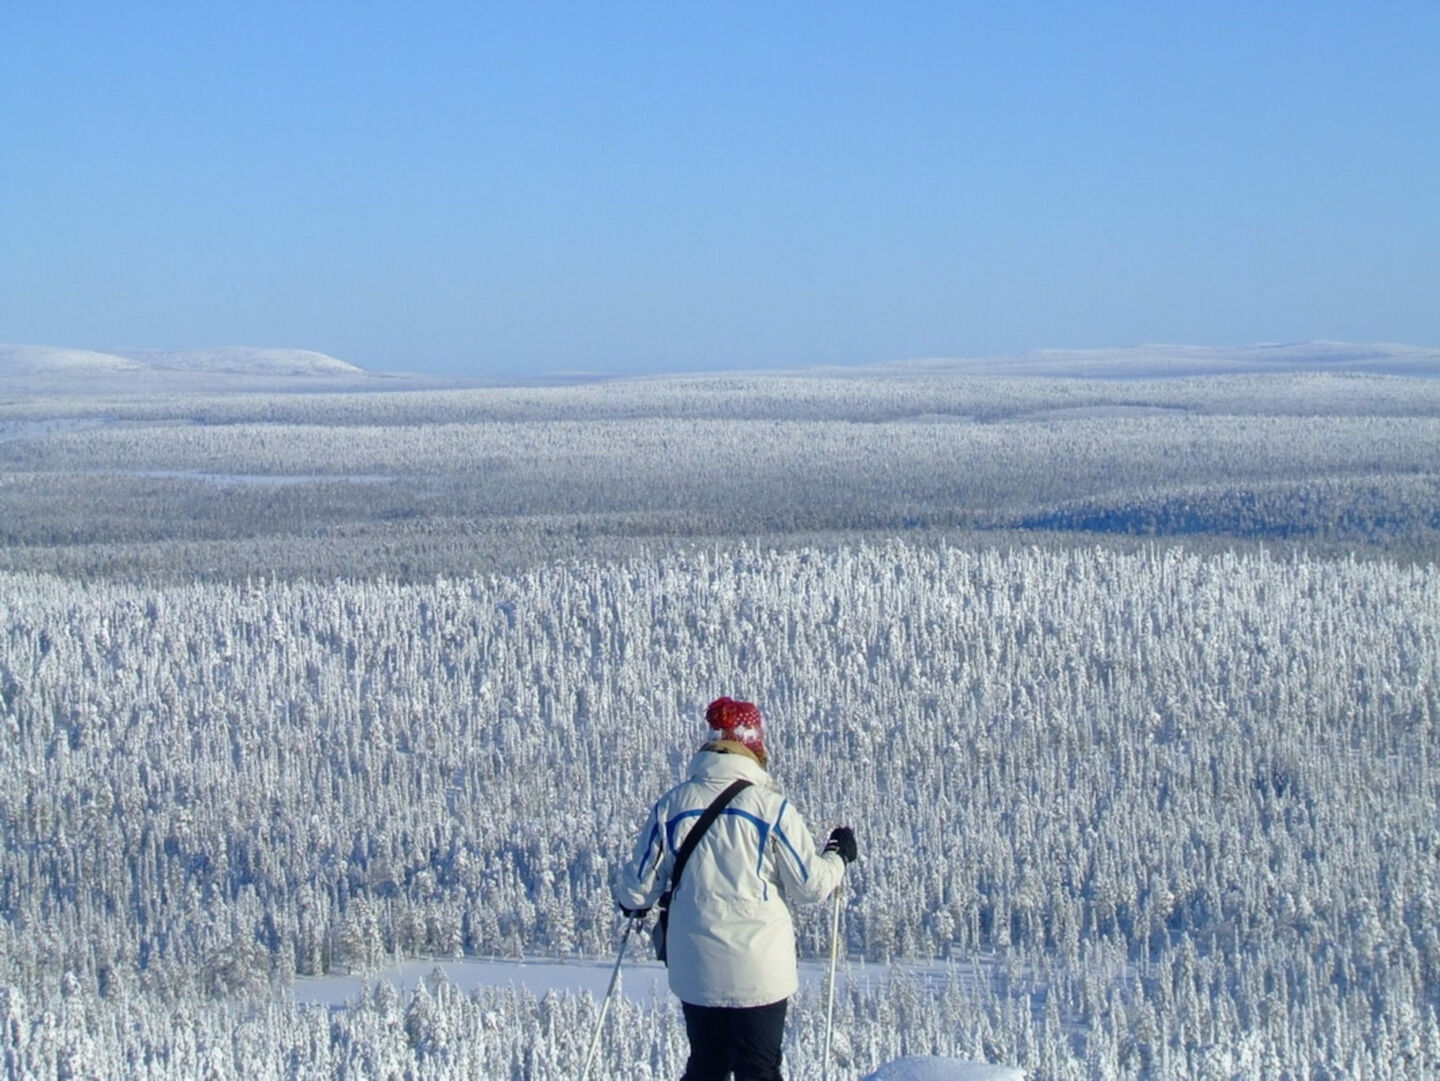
415,484
1156,811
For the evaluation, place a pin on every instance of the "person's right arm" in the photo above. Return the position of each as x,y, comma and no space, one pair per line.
806,874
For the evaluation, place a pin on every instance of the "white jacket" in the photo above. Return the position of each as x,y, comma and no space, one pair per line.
731,942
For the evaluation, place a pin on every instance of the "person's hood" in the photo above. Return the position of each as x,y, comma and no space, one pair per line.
716,762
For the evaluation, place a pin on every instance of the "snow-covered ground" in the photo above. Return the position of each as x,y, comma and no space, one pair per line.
642,980
261,479
642,983
938,1068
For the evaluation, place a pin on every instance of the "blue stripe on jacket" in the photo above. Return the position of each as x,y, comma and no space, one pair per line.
649,845
780,832
670,826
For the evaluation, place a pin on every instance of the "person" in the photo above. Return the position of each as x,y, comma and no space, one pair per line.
730,943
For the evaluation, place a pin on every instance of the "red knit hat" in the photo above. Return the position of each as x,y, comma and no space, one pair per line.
739,722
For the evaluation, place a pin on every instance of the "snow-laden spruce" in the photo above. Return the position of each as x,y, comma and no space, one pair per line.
1168,816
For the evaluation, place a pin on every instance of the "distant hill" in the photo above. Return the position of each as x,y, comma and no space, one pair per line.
43,361
48,360
246,360
52,369
1171,361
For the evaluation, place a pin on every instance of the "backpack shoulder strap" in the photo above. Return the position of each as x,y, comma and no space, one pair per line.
697,831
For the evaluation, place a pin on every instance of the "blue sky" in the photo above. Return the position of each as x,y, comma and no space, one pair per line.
522,188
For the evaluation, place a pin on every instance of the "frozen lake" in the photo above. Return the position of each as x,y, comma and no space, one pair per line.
641,979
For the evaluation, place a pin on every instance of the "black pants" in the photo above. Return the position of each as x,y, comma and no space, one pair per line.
743,1040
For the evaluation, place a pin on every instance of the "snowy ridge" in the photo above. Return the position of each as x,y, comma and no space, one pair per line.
241,360
1162,361
47,362
54,365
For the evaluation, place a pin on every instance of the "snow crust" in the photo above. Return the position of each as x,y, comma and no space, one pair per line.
938,1068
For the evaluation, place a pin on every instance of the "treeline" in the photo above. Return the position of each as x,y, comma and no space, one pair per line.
856,395
1201,787
647,457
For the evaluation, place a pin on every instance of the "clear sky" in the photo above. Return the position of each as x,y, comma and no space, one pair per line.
476,188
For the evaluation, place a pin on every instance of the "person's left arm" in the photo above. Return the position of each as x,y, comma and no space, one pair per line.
642,879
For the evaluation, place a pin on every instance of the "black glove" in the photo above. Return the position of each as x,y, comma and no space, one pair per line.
634,913
842,841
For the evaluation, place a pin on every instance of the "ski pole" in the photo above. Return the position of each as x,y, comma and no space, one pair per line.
605,1002
830,989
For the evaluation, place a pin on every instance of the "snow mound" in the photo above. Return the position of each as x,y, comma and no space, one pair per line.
937,1068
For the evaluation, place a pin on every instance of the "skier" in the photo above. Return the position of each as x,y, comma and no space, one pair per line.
729,942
